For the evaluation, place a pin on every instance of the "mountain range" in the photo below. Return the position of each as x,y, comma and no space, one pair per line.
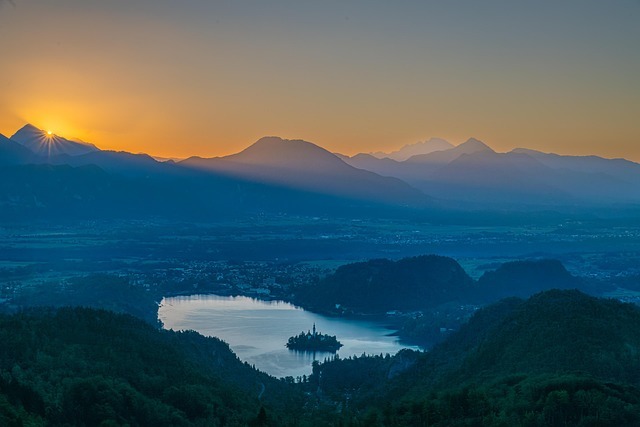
410,150
301,164
42,170
47,144
472,174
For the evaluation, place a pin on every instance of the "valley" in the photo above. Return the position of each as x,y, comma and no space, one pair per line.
278,258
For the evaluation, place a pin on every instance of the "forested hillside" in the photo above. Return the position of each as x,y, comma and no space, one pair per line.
76,366
560,358
429,281
525,278
381,285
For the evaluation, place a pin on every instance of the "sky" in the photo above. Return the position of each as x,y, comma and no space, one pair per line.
194,77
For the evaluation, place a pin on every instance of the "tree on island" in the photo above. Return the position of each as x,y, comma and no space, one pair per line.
314,341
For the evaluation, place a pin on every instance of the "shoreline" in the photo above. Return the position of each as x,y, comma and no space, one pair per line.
391,323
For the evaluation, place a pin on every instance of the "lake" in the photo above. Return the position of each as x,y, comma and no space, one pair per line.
257,330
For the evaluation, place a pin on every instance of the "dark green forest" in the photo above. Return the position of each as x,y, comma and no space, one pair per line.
431,293
428,281
559,358
87,367
380,285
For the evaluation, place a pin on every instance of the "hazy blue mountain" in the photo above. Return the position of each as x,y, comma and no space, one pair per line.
381,166
617,172
37,147
425,171
486,177
45,145
119,162
63,192
482,178
516,178
68,192
469,176
423,147
472,175
303,165
591,164
471,146
121,184
12,153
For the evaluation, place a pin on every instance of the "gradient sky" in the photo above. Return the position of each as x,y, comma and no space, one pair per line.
177,78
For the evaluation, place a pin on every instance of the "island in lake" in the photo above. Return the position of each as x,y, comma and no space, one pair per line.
314,341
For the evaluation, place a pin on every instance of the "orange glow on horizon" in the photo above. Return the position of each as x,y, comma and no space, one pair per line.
344,85
95,125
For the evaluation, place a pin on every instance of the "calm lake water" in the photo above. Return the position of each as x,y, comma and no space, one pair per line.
257,330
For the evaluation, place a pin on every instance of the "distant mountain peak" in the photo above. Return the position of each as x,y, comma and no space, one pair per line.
269,139
46,144
13,153
294,153
470,146
274,141
281,144
473,145
299,164
526,151
27,132
417,148
29,128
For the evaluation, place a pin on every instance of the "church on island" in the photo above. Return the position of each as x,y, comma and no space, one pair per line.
314,341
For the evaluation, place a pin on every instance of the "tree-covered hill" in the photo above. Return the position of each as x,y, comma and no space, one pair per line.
428,282
553,331
559,358
381,285
86,367
525,278
563,331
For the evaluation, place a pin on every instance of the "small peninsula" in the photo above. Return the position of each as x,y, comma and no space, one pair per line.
314,341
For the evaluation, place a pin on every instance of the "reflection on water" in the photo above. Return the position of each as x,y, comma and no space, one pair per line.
258,330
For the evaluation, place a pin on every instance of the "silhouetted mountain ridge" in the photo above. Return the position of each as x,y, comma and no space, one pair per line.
472,175
47,145
470,146
424,147
468,177
12,153
303,165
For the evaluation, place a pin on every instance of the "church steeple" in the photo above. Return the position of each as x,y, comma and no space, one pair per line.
314,341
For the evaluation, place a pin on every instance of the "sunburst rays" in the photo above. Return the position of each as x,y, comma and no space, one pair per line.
48,144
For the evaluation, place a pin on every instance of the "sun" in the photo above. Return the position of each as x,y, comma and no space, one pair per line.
49,132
